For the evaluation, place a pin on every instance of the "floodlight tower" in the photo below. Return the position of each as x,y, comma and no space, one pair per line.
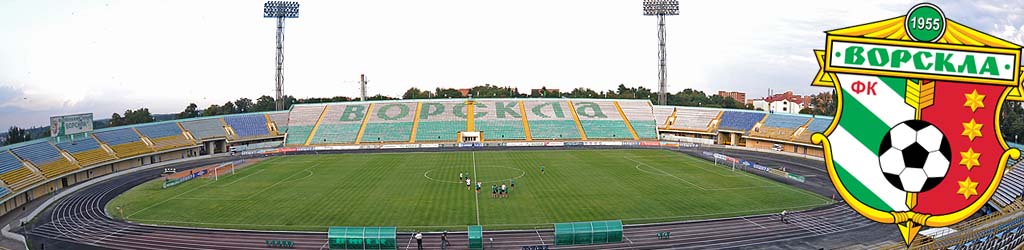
280,10
661,8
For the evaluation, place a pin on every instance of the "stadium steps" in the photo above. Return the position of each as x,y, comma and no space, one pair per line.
271,128
626,121
576,118
470,116
88,158
526,122
415,122
713,125
188,135
362,127
316,126
671,118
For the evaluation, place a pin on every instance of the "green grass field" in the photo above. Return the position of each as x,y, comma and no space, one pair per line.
422,191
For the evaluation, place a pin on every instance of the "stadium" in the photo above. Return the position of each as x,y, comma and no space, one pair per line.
551,170
586,174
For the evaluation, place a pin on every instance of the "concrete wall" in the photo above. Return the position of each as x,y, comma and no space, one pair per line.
786,147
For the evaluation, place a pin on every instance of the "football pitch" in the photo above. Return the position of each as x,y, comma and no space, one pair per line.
422,191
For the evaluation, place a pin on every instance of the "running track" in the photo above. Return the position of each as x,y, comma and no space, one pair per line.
80,222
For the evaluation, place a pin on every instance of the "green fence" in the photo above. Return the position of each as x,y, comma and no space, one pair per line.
361,238
586,233
476,237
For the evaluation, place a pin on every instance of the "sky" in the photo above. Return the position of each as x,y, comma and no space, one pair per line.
68,57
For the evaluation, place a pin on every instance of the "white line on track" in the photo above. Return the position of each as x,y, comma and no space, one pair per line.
538,236
755,223
477,196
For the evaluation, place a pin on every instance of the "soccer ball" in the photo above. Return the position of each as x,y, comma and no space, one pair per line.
914,156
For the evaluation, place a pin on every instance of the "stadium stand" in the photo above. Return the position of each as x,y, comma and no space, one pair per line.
780,126
601,120
301,120
256,146
499,119
45,157
441,120
248,125
641,117
86,152
164,135
739,120
550,120
14,174
698,119
818,124
124,141
1012,186
390,122
280,119
662,115
341,124
203,129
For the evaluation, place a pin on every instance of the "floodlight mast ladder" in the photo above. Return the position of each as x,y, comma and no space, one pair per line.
280,10
661,8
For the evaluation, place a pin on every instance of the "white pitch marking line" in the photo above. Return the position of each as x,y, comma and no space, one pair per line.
673,176
477,196
755,223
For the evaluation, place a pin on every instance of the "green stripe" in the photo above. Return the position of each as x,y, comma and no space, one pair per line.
859,191
862,123
898,85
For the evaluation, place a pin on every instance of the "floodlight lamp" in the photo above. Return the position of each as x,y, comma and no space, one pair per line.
661,7
281,9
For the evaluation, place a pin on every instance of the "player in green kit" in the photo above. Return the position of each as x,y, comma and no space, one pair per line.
541,169
513,185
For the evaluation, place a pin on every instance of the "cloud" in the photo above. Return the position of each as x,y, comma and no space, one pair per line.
83,57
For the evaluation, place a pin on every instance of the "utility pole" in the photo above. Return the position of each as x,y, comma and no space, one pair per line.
362,87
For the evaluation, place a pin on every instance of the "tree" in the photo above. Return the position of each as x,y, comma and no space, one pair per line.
447,93
1012,121
264,103
243,105
228,108
583,93
116,120
415,93
16,135
138,116
190,112
213,110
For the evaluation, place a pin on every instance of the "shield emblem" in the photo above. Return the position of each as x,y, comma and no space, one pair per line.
916,141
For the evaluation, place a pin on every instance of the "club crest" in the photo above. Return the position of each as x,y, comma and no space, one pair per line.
916,139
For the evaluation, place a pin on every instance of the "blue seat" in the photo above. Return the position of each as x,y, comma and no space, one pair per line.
79,146
8,163
248,125
118,136
739,121
39,153
785,121
160,130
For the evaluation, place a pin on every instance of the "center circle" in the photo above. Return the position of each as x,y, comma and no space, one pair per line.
486,174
